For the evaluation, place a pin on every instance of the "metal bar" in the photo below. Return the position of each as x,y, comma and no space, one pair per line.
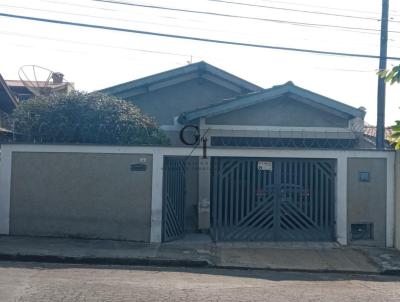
312,203
248,193
237,193
296,183
301,184
244,187
218,205
277,165
326,202
225,205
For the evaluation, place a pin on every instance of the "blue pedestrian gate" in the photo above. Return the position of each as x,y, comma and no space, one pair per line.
173,198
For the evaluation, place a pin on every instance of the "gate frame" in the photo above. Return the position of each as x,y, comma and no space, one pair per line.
158,154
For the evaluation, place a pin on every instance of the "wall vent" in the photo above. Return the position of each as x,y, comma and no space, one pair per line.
138,167
362,231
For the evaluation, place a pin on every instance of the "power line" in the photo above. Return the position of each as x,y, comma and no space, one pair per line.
128,48
140,22
182,37
346,70
96,44
298,10
214,30
109,46
283,2
326,7
82,5
116,19
130,20
240,16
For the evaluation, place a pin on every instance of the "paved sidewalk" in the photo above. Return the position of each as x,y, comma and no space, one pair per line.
311,257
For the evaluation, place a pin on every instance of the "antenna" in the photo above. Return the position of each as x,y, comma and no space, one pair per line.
42,81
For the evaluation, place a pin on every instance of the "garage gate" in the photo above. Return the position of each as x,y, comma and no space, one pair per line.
272,199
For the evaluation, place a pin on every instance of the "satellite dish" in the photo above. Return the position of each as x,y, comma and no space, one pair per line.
42,81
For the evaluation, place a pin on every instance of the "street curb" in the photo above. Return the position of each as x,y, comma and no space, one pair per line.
174,263
389,272
386,272
299,270
104,260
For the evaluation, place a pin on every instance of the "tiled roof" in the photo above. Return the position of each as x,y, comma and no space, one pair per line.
18,83
7,99
197,68
267,94
370,131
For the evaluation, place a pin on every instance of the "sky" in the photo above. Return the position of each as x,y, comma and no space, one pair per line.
94,59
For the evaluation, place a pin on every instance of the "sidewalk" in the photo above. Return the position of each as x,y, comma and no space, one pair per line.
310,257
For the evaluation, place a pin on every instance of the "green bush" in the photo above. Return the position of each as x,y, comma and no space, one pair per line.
88,118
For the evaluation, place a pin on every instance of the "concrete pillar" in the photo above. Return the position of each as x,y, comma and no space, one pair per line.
204,208
5,185
391,215
157,198
397,201
204,193
341,200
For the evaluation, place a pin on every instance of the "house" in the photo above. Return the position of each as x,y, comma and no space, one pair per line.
24,90
370,134
8,102
244,164
230,112
222,104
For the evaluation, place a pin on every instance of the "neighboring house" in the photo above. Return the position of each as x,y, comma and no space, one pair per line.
370,134
56,84
7,104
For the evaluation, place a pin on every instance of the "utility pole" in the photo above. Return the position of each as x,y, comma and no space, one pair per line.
380,124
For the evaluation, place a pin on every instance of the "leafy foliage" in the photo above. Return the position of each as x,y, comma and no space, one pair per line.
391,76
79,117
395,136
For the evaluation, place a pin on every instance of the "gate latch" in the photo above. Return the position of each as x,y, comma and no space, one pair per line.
204,204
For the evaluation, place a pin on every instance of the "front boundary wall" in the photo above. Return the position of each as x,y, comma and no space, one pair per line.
83,195
159,153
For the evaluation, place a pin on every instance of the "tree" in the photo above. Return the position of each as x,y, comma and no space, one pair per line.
391,76
80,117
395,136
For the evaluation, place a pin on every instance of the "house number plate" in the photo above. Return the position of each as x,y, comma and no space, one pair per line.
264,165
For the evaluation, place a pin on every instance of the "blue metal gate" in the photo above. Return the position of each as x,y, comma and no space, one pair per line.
272,199
173,198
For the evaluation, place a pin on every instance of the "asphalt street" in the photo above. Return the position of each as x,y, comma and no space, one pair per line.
28,281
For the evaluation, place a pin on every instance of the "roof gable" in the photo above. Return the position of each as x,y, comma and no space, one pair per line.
7,100
181,74
251,99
